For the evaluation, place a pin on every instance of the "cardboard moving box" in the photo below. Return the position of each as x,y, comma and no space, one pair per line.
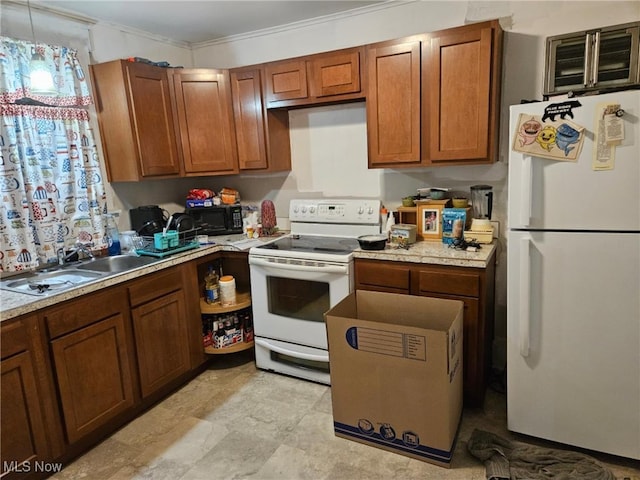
396,372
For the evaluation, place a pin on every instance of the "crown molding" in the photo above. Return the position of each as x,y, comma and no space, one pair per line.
67,15
304,23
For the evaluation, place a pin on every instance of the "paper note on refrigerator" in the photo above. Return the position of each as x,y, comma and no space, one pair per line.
604,152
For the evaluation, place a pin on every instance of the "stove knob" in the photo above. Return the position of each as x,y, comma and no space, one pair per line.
304,209
312,209
295,209
360,210
370,211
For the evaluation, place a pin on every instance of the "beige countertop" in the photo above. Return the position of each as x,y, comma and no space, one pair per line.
434,253
15,304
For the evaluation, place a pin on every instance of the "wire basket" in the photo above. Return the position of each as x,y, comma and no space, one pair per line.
186,240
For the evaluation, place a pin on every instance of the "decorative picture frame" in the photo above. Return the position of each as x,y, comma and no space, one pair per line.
430,220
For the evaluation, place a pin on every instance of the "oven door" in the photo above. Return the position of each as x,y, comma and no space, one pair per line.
290,299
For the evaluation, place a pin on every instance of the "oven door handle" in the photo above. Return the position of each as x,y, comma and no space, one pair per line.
300,268
291,353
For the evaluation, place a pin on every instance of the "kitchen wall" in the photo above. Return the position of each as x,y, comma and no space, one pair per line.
329,155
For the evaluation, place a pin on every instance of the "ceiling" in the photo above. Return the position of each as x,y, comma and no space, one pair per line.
203,20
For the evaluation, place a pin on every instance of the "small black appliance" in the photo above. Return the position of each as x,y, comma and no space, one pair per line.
217,219
147,220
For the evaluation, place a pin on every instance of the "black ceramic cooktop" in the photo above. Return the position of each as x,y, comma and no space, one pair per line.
314,244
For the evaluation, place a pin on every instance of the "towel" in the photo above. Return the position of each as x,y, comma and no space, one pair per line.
509,460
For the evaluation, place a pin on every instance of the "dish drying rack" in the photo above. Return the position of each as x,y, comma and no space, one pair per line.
186,241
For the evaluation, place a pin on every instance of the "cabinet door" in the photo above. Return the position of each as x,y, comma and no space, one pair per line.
248,115
94,375
458,82
393,104
22,425
203,107
473,348
334,74
153,119
162,344
135,118
285,81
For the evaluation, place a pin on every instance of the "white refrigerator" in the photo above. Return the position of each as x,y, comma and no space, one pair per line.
573,273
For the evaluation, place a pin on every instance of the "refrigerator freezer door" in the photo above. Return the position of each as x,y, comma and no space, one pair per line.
573,339
548,194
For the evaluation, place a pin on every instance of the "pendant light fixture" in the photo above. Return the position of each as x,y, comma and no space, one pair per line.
41,78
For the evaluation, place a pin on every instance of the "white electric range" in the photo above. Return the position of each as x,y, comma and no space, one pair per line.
297,278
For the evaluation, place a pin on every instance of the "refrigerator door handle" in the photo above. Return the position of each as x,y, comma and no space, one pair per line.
525,191
525,295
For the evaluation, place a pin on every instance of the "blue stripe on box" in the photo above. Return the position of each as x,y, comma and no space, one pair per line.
397,444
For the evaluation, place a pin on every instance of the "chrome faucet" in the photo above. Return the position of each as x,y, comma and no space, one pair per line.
79,247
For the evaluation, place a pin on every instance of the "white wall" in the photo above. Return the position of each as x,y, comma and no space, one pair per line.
329,143
317,138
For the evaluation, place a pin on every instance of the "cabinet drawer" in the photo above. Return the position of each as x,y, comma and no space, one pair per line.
86,311
390,278
14,339
155,286
454,283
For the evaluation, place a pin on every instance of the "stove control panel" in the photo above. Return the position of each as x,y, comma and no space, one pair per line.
350,210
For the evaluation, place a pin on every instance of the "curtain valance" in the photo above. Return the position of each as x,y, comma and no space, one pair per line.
69,79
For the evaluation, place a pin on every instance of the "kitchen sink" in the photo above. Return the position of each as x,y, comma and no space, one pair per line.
44,283
115,264
51,281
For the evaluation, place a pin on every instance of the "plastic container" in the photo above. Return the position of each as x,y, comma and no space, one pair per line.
164,241
112,236
227,290
403,234
129,242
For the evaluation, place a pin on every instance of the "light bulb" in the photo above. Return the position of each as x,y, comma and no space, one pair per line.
41,78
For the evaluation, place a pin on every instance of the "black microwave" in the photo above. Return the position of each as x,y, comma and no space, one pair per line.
217,219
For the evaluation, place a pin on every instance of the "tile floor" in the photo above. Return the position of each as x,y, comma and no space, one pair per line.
236,422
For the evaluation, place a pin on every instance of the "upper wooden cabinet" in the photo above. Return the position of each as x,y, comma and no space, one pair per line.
461,81
262,135
334,73
286,80
205,122
434,99
315,79
393,103
136,120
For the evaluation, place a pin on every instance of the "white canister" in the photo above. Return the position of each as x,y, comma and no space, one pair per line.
227,290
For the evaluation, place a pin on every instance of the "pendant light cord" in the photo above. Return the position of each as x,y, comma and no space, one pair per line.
33,32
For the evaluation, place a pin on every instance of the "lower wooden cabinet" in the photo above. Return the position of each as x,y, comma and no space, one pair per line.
22,426
93,361
75,372
162,345
473,286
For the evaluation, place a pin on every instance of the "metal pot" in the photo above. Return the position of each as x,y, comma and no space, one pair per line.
372,242
182,222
